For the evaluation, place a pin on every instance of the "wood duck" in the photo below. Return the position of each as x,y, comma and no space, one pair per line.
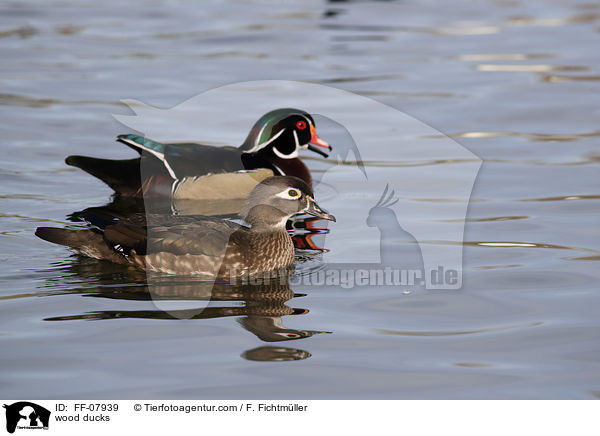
203,246
203,172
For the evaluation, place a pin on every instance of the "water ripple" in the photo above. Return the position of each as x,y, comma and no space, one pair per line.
564,198
504,56
22,32
534,21
565,78
531,136
507,244
27,101
528,68
456,332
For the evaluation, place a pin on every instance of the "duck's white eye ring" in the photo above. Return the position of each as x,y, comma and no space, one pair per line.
290,194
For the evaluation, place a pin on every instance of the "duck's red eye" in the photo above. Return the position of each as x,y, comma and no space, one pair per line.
301,125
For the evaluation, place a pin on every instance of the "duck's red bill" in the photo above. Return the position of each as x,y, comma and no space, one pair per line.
315,140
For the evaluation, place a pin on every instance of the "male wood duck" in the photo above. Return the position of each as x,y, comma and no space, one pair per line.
204,246
202,172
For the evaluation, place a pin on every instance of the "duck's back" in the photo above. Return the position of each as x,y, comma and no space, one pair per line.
188,159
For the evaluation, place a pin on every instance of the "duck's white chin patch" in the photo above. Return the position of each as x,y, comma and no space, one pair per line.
292,155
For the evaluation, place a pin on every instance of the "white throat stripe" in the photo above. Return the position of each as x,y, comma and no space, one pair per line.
264,144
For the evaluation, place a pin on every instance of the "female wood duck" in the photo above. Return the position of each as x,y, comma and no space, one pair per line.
202,172
208,247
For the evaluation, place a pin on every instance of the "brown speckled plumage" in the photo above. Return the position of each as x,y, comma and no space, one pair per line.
202,246
245,253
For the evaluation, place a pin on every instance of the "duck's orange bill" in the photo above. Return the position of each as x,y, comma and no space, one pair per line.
314,139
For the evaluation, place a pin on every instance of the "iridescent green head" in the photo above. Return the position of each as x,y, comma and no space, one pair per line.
284,132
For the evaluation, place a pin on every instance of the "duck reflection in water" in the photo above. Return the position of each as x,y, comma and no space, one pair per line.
261,313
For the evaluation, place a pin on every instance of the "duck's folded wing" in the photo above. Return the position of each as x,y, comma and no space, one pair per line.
189,160
206,237
186,159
